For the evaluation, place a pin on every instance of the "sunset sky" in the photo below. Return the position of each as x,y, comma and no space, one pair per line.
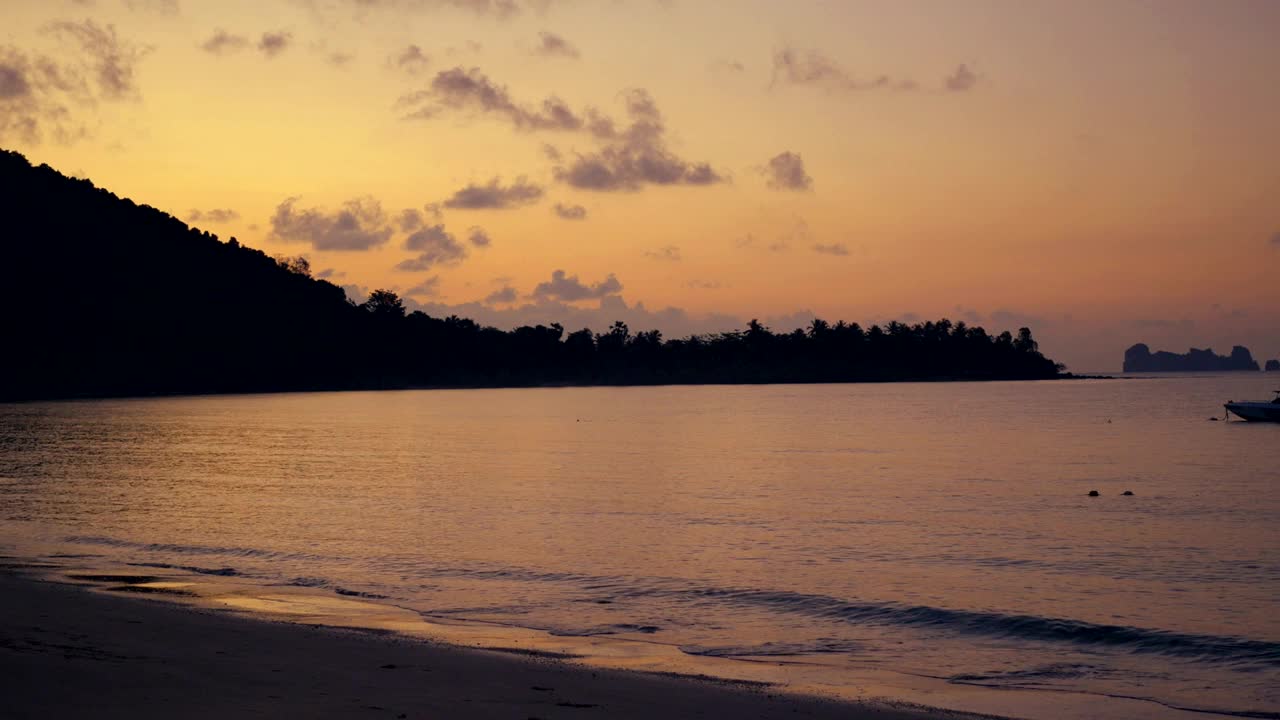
1105,172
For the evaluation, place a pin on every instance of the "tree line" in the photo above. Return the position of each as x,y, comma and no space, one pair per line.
102,296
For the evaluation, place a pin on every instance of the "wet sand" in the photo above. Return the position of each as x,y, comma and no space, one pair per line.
67,651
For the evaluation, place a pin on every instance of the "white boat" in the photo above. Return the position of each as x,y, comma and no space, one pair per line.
1257,411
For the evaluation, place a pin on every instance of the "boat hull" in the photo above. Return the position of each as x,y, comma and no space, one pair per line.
1256,412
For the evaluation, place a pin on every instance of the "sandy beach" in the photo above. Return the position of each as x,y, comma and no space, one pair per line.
67,651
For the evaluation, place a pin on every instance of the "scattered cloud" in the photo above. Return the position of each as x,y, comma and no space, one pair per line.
162,7
339,59
479,237
628,158
669,253
409,220
831,249
503,296
51,97
430,287
412,60
553,45
494,196
217,215
703,285
569,212
113,61
499,9
567,288
224,43
435,247
810,67
961,80
327,273
730,66
1275,240
359,225
471,90
272,44
635,157
785,171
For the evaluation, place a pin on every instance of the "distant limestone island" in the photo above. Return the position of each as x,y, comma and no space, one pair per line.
1139,358
105,297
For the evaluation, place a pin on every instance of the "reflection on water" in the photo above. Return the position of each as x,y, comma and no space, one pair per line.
936,529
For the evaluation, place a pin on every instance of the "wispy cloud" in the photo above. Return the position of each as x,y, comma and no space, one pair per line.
360,224
553,45
567,288
272,44
785,171
494,195
569,212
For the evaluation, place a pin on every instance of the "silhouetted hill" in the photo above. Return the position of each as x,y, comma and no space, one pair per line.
1273,366
1139,358
102,296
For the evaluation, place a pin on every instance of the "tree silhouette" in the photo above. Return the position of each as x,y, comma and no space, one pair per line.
132,301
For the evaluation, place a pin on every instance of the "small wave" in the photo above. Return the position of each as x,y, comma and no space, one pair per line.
359,594
1241,652
608,630
191,549
1206,648
773,649
223,571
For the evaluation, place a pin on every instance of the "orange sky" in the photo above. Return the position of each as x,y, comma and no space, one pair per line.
1106,172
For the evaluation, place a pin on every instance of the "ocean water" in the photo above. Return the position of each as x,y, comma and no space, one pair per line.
930,541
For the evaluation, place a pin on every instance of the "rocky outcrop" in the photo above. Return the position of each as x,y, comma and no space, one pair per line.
1139,358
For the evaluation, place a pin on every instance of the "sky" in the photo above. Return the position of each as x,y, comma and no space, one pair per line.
1103,172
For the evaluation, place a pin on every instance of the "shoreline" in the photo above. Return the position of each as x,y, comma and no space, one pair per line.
544,386
69,650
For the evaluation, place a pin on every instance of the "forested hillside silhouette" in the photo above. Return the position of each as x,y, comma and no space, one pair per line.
105,297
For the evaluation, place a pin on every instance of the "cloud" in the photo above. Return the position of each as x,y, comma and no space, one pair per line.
731,66
628,159
1275,240
163,7
50,97
327,273
479,237
217,215
499,9
409,220
670,253
553,45
961,80
272,44
412,60
635,157
831,249
339,58
569,212
359,225
113,61
493,196
504,296
435,247
810,67
471,90
567,288
785,171
429,287
224,43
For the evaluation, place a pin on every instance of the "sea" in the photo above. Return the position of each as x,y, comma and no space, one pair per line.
920,543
